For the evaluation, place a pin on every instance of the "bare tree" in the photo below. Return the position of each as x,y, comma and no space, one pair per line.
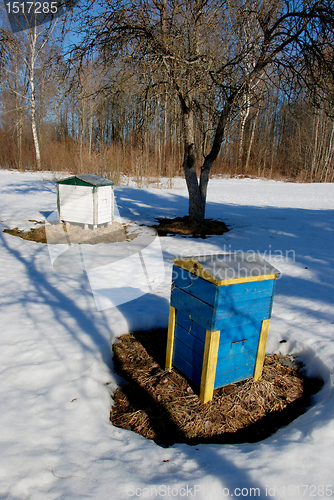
29,46
200,47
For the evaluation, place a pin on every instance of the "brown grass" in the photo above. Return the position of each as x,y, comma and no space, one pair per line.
165,406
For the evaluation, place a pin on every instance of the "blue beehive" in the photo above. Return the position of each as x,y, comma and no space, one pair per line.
219,318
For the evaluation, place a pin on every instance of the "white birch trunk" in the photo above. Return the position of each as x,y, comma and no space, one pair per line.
244,116
316,122
251,141
32,62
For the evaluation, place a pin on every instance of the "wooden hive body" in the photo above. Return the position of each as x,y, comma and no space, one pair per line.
218,327
85,199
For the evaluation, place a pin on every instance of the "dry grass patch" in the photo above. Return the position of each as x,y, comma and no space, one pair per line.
165,406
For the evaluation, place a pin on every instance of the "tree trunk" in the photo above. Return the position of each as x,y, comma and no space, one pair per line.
211,157
328,155
19,119
196,211
316,122
33,120
249,149
90,133
244,116
198,189
32,62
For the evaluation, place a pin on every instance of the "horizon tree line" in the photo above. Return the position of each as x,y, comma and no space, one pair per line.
166,87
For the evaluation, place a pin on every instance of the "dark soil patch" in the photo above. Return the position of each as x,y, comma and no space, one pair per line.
74,233
165,407
179,225
183,226
35,234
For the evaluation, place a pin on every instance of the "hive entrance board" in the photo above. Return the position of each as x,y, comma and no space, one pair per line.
219,318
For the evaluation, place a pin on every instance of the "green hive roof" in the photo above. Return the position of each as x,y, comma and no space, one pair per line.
86,180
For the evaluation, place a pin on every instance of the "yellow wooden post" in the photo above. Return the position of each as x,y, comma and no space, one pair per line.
170,339
261,350
209,365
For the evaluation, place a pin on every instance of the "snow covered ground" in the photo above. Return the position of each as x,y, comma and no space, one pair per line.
56,378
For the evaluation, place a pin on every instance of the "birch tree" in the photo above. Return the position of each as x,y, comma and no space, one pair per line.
29,46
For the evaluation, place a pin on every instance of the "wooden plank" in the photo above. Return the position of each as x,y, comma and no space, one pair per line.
261,351
170,339
252,310
248,330
189,340
236,347
233,376
95,205
227,317
234,362
240,292
192,357
249,279
58,207
237,321
194,285
209,365
104,211
190,326
272,299
187,369
112,204
192,307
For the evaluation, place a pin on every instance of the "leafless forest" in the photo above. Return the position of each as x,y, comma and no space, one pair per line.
117,114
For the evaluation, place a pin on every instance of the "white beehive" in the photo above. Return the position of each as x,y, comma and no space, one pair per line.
86,199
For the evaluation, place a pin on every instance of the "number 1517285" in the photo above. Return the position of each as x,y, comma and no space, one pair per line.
32,7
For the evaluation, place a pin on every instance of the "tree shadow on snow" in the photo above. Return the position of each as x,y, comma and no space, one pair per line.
308,234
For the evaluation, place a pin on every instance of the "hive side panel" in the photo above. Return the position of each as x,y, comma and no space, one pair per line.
190,326
190,306
75,203
250,291
243,344
242,312
237,353
187,369
240,332
193,285
232,376
104,204
189,340
188,347
192,357
234,362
